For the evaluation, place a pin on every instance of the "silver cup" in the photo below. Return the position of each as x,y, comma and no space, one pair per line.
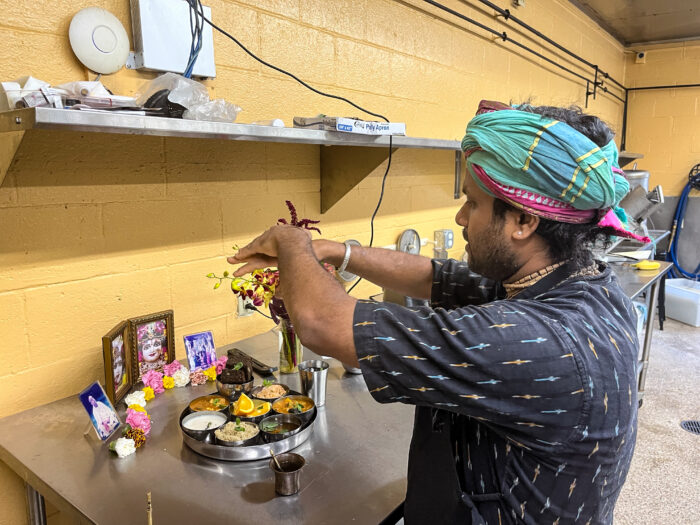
313,375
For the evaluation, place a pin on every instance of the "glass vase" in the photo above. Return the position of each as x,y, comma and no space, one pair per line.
290,347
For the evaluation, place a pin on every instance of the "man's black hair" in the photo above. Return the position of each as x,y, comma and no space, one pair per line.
568,241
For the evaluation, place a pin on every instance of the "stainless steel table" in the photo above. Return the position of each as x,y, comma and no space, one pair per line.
355,472
635,282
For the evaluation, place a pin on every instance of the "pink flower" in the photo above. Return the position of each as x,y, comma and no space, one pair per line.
138,420
221,364
170,369
198,378
153,379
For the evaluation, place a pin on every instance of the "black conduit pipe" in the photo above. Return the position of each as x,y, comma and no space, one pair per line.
504,36
509,16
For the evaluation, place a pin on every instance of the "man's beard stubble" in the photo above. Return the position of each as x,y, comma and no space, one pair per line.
491,256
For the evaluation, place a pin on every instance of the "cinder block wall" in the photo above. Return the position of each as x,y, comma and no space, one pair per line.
98,228
664,125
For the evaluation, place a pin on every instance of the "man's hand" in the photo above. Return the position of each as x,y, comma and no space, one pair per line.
264,250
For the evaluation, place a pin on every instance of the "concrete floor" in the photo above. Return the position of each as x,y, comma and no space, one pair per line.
663,485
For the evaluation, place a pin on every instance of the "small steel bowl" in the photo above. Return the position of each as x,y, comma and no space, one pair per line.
304,416
255,419
202,434
250,441
271,437
201,404
254,393
232,389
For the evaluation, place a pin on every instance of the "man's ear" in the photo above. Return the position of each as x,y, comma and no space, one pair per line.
524,226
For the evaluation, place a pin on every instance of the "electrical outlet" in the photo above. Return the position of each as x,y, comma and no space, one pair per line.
444,239
242,310
640,57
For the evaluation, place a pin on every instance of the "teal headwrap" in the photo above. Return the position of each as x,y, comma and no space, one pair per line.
544,157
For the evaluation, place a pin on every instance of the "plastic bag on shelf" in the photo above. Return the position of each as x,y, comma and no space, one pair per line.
217,110
182,97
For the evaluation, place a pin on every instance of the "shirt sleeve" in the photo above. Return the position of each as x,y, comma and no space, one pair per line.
454,285
506,362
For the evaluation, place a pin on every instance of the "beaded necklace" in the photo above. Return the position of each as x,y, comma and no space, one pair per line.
514,288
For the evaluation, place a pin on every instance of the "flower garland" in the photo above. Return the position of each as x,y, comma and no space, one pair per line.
138,421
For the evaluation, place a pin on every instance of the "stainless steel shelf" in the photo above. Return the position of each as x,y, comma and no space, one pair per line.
345,160
102,122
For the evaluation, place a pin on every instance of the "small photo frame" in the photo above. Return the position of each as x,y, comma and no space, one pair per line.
116,347
152,343
102,414
201,352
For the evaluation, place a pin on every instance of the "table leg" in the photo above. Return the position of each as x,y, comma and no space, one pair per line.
644,363
36,507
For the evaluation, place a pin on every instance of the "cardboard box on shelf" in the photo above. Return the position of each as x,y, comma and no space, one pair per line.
350,125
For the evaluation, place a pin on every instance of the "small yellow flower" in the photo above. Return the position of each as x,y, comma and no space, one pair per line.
149,393
168,382
138,408
209,372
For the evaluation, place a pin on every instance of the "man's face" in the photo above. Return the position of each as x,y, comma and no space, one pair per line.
151,350
488,246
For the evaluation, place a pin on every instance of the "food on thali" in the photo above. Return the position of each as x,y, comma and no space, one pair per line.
204,421
237,431
250,408
238,370
243,406
261,408
212,403
275,427
271,392
293,405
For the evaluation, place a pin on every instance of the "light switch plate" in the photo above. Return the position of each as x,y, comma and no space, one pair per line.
162,38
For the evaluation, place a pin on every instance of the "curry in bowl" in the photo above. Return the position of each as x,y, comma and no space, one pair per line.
296,405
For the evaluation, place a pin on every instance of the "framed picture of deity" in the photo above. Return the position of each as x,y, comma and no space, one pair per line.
152,343
116,347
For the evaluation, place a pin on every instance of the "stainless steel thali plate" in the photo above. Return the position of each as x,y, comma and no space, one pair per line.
210,449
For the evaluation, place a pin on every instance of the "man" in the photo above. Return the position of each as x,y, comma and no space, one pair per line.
523,367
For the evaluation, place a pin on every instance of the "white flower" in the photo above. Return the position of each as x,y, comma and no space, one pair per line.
124,447
181,377
136,398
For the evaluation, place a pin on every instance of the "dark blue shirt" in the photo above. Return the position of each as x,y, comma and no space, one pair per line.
544,385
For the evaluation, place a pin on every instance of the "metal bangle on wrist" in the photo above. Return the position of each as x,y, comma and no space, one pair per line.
346,258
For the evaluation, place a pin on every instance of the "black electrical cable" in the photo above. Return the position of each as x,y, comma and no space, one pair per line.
253,308
381,196
329,95
291,75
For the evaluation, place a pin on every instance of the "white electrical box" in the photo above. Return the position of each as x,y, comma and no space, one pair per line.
162,38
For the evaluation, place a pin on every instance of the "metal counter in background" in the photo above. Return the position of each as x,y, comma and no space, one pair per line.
634,283
355,472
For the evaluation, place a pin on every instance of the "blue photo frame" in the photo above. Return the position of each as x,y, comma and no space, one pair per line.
201,352
102,415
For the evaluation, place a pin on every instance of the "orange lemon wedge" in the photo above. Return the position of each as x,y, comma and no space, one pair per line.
243,406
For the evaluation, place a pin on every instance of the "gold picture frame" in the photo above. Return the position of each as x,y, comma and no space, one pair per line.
116,350
152,343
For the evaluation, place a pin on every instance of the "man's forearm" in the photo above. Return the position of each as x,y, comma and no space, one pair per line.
320,309
407,274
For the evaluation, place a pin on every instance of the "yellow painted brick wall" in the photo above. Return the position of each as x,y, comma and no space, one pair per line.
99,228
664,125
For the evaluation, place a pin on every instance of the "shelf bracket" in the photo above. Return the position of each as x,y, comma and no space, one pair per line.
344,167
9,144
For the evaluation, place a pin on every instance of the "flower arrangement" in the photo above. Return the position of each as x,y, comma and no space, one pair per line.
138,421
259,287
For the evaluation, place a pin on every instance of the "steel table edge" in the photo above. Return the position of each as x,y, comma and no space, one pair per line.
43,488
